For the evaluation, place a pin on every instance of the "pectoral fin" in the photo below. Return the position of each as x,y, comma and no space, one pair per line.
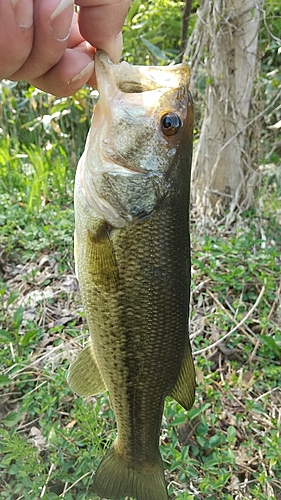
101,262
84,376
184,390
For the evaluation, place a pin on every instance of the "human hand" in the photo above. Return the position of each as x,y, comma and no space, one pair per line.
50,46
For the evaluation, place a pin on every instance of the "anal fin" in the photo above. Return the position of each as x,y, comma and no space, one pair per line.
184,390
84,376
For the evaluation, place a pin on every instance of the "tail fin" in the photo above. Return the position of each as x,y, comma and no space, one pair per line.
116,478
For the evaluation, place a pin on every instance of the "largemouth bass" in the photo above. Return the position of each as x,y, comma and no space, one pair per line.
133,262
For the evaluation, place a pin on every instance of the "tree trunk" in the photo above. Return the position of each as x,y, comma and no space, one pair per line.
222,167
185,21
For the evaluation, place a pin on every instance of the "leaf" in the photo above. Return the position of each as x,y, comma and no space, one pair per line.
18,317
11,419
6,335
231,433
52,437
13,296
133,11
155,51
214,441
271,344
4,380
196,411
192,472
13,469
27,337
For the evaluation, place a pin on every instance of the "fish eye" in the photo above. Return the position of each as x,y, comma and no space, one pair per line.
170,123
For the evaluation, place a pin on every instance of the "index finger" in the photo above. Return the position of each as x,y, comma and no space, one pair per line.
16,35
101,22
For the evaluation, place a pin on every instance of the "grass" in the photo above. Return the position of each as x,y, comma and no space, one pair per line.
227,446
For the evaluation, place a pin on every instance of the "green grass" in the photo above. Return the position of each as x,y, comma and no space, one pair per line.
227,446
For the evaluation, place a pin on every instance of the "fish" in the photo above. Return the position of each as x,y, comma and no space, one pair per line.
132,252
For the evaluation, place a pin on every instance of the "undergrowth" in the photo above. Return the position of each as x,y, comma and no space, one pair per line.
228,445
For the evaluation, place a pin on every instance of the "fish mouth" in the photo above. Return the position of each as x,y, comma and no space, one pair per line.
137,91
137,79
112,81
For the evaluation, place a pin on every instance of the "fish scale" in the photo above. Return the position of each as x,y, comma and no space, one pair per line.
133,265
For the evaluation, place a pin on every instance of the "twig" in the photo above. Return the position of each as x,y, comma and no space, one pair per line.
78,480
266,393
33,363
263,112
275,302
21,428
249,313
267,28
231,317
36,388
47,480
22,496
254,351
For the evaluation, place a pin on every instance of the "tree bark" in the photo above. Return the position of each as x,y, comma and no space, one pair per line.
222,165
185,21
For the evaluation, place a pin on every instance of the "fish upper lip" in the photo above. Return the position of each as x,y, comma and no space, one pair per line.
152,77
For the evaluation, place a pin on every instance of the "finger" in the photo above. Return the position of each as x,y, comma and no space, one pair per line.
73,70
101,25
52,22
16,34
75,37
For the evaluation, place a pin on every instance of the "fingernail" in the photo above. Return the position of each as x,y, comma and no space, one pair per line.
61,19
117,48
88,69
23,10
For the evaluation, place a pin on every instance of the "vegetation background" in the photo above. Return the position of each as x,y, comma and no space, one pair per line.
229,445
